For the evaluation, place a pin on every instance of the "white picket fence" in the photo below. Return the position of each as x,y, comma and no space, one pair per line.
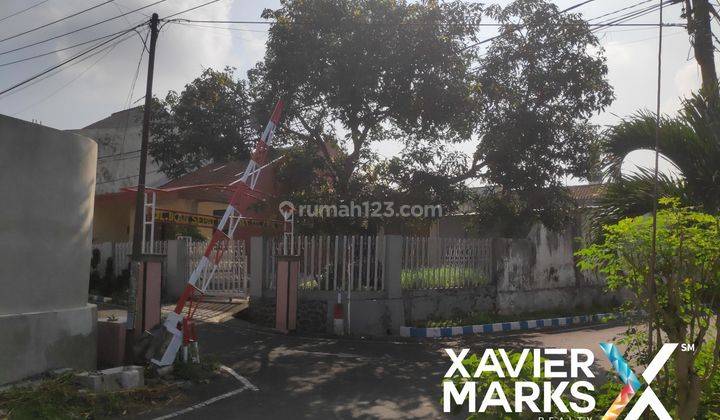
231,276
332,262
445,263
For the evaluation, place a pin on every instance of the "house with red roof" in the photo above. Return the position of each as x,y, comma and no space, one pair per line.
193,203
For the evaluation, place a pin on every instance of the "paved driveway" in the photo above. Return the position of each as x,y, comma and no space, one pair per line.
307,378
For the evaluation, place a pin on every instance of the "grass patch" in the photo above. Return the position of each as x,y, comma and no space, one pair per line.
60,398
479,318
196,372
441,278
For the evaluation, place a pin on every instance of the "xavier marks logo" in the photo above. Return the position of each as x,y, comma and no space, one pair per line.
546,397
633,385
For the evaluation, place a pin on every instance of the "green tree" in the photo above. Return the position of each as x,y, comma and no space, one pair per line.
541,79
209,121
690,141
358,72
685,291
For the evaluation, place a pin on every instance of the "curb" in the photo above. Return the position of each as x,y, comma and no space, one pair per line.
99,299
436,332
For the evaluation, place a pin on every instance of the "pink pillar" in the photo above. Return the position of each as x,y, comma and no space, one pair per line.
288,268
148,294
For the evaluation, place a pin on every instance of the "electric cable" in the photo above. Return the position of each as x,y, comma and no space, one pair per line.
84,27
23,10
56,21
93,64
75,57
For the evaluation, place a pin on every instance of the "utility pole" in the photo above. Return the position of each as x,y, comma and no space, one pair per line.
138,225
698,14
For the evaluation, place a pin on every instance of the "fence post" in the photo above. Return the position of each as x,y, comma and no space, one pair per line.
257,257
105,249
176,268
393,265
393,271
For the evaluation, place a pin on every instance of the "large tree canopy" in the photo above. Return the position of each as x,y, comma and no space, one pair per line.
356,72
209,121
541,79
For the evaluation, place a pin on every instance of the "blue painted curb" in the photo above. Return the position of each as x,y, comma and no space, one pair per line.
504,326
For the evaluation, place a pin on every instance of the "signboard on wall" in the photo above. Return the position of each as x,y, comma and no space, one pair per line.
183,218
204,220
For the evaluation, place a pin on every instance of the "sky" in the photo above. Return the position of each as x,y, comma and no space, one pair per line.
100,85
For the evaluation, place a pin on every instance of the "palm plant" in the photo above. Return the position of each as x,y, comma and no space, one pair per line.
691,141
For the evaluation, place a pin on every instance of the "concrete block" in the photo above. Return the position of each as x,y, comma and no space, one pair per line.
41,341
164,370
113,379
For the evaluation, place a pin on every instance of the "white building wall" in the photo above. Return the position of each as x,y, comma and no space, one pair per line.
118,140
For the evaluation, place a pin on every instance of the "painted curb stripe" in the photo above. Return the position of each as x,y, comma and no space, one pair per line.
503,326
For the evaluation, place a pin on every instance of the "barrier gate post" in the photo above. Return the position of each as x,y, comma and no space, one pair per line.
288,268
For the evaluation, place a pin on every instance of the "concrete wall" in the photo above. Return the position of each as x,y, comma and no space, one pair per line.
423,305
539,273
47,182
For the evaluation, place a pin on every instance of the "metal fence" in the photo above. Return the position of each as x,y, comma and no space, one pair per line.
121,252
332,262
230,278
444,263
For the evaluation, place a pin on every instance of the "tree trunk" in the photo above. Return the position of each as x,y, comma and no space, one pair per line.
688,386
699,27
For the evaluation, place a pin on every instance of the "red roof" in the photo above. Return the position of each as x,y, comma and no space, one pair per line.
586,194
212,174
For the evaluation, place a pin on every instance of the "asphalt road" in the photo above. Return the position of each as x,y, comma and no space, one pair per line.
300,377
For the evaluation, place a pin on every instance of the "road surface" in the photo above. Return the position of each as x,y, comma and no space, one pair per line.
301,377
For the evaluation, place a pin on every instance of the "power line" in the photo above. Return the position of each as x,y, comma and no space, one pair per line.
85,27
181,22
75,57
634,15
56,21
59,69
131,91
484,41
191,22
242,22
107,51
124,178
620,10
576,6
650,283
118,154
190,9
23,10
60,49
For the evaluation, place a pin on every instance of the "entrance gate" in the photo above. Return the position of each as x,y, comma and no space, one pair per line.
230,279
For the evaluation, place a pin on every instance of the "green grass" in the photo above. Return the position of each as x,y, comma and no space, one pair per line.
60,398
480,318
441,278
196,372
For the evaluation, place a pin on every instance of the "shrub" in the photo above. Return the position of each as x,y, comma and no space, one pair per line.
681,298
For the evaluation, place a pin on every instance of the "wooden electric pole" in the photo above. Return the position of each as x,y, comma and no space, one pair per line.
699,18
139,225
